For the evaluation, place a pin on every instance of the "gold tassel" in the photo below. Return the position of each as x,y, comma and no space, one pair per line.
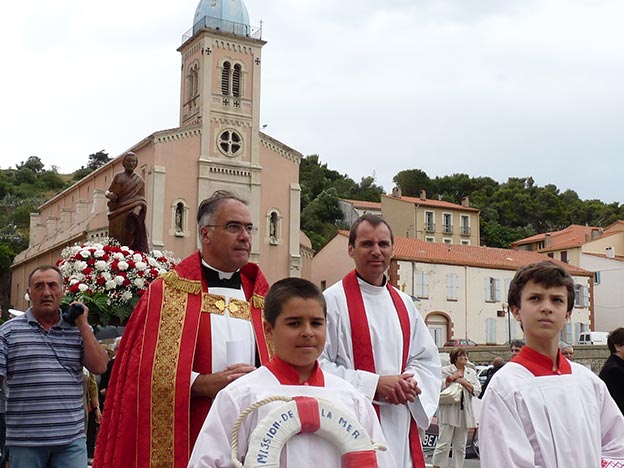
181,284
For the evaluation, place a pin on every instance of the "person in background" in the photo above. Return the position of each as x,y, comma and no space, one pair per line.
613,370
93,413
515,346
497,363
455,420
567,350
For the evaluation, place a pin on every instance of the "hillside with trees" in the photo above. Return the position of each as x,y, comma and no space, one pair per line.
510,210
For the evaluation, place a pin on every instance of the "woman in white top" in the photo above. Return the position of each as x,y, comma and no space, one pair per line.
455,419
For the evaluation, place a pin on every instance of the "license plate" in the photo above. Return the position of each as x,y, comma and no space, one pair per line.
429,440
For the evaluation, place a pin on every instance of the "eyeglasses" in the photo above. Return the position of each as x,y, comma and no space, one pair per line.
236,228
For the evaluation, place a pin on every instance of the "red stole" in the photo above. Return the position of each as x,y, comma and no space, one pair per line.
363,357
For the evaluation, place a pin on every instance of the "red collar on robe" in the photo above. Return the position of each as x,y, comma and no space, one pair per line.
540,365
288,375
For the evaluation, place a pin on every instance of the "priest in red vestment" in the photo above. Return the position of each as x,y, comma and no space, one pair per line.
198,328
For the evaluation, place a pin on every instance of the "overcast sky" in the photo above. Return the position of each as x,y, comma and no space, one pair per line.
498,88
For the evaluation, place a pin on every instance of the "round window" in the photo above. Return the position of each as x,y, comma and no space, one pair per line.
230,143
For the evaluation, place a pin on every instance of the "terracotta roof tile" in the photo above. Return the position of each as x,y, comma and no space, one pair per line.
434,203
467,255
364,204
574,235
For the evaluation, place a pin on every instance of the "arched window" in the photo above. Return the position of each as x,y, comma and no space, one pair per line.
236,76
225,78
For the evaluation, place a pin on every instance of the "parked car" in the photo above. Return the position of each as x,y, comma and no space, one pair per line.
460,342
593,338
482,372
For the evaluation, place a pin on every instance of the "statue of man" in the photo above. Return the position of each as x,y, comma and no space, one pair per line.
127,206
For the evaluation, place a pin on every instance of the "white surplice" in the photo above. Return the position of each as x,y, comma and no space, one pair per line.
549,421
387,343
212,449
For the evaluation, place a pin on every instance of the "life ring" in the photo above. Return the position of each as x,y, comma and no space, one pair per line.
304,414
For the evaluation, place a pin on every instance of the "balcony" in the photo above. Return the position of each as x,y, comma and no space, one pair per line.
465,230
447,228
430,227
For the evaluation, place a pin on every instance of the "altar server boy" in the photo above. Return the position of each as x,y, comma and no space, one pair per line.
294,314
542,410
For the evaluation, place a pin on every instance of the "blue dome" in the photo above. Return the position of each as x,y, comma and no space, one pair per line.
225,15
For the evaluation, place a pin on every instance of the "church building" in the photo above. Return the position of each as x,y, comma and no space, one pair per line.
218,145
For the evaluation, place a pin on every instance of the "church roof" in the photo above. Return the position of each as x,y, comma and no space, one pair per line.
229,16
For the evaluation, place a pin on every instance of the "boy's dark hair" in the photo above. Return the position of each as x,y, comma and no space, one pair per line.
516,344
374,221
286,289
547,274
616,337
456,352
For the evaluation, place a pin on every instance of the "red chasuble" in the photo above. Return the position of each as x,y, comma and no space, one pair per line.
363,357
150,419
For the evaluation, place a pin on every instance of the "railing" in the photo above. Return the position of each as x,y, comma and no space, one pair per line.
447,228
465,230
430,227
218,24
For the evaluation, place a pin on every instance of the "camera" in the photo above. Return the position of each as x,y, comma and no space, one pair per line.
72,313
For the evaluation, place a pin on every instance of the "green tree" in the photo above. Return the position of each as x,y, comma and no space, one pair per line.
33,163
412,181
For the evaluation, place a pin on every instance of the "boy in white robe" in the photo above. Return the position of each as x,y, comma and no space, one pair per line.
542,410
295,323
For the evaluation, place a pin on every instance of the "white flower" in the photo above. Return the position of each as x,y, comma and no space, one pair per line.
74,250
107,276
80,265
73,281
85,254
126,296
110,284
119,279
156,253
83,287
141,266
98,246
118,256
101,265
99,253
137,257
152,261
139,282
123,266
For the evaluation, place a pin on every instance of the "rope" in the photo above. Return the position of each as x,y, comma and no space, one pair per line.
241,418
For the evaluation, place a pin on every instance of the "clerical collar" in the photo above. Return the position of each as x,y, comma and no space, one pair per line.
288,375
221,279
540,365
382,284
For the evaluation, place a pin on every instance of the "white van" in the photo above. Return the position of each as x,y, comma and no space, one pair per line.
593,338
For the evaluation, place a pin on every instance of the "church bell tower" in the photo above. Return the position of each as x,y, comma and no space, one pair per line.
220,96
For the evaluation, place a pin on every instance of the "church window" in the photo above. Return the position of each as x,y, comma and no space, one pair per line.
230,143
225,79
236,80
